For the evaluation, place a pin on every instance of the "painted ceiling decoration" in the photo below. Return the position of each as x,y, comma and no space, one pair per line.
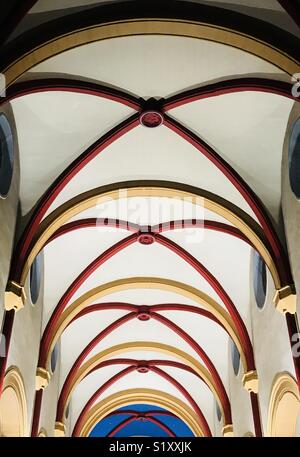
189,300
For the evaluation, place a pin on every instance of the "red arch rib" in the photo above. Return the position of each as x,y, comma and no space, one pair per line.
194,345
102,258
80,86
187,395
58,185
170,379
72,373
39,394
251,198
116,324
201,353
241,329
217,287
159,228
229,86
128,420
121,425
133,412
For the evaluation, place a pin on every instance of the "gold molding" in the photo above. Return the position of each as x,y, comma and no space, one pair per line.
13,379
284,406
228,431
250,381
14,297
170,285
151,26
42,378
146,346
248,226
59,430
285,300
42,433
145,396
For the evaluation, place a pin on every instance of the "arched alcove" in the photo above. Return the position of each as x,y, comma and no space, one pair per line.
13,407
284,406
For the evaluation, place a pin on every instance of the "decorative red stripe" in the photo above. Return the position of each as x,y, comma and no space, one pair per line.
272,240
120,426
187,308
72,289
242,331
229,86
203,356
159,228
135,417
217,287
256,415
37,413
72,373
97,394
104,307
123,373
163,426
195,346
189,398
24,88
94,222
23,246
133,412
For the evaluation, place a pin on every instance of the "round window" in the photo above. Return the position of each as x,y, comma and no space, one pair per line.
218,411
6,156
35,278
294,159
67,411
54,357
235,357
259,280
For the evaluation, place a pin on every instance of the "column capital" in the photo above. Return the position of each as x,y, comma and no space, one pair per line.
250,381
14,298
228,431
42,378
60,430
285,299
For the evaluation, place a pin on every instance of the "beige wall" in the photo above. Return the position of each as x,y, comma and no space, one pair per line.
269,330
239,397
271,347
8,214
291,207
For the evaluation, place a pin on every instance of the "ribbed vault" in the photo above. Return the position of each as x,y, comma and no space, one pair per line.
147,197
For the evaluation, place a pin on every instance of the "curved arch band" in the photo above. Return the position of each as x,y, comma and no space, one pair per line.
132,418
133,396
144,282
186,28
208,200
194,405
80,86
146,346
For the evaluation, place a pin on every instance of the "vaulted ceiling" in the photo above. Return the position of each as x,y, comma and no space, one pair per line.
225,137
